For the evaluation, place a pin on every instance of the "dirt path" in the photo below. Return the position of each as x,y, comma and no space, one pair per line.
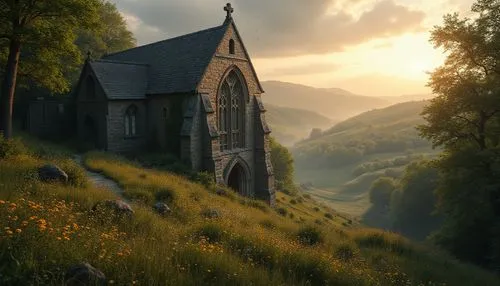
98,179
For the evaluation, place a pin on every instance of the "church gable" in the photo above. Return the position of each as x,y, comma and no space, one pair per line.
89,87
230,54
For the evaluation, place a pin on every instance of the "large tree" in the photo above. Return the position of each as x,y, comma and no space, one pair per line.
39,37
464,119
112,34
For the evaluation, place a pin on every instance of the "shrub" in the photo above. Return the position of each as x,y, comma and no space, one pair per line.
316,209
293,202
328,215
385,242
11,147
76,174
282,211
212,232
165,195
204,178
310,235
291,215
345,251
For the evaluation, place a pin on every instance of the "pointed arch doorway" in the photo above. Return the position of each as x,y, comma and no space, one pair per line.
237,179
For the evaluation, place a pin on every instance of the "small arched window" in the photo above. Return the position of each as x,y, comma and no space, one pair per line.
231,47
90,86
131,121
231,113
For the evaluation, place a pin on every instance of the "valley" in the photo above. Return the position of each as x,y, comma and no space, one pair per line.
339,164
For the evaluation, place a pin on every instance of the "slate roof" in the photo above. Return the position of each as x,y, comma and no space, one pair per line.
121,80
175,65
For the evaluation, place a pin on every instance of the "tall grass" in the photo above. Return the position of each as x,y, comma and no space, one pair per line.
45,228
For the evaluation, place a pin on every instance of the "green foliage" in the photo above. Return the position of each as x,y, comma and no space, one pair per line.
385,164
212,232
413,203
11,147
310,235
205,178
381,131
346,251
464,119
109,37
381,191
47,42
165,195
328,215
282,161
379,240
77,177
282,211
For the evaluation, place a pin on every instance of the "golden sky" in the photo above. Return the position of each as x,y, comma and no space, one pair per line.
370,47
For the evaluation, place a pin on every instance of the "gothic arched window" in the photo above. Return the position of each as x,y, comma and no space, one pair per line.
131,121
231,113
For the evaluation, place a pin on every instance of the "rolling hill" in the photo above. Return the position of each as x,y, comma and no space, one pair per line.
342,163
334,103
290,125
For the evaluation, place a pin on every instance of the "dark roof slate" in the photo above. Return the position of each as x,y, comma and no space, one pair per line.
121,80
175,65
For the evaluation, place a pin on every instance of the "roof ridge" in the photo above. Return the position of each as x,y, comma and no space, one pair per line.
167,40
120,62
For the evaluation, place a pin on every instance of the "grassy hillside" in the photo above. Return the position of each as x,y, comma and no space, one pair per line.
334,103
290,125
342,163
45,228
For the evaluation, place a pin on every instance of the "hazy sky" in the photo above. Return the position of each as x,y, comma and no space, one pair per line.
371,47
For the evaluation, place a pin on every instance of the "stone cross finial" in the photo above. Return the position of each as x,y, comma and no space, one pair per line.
229,10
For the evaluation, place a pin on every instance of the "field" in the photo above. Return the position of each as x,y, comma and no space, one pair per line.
210,238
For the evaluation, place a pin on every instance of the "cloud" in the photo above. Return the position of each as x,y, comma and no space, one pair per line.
278,27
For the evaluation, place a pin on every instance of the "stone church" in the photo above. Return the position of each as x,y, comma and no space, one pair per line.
196,96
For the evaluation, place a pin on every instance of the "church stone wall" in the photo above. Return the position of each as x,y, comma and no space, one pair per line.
117,141
209,85
165,128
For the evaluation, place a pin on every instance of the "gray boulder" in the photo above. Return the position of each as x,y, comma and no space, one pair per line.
119,207
52,173
162,208
84,275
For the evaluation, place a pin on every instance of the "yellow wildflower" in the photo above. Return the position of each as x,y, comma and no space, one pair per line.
9,232
18,230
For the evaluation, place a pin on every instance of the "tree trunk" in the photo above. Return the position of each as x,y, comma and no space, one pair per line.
9,88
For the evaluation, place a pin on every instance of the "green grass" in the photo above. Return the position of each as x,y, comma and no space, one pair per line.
45,228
